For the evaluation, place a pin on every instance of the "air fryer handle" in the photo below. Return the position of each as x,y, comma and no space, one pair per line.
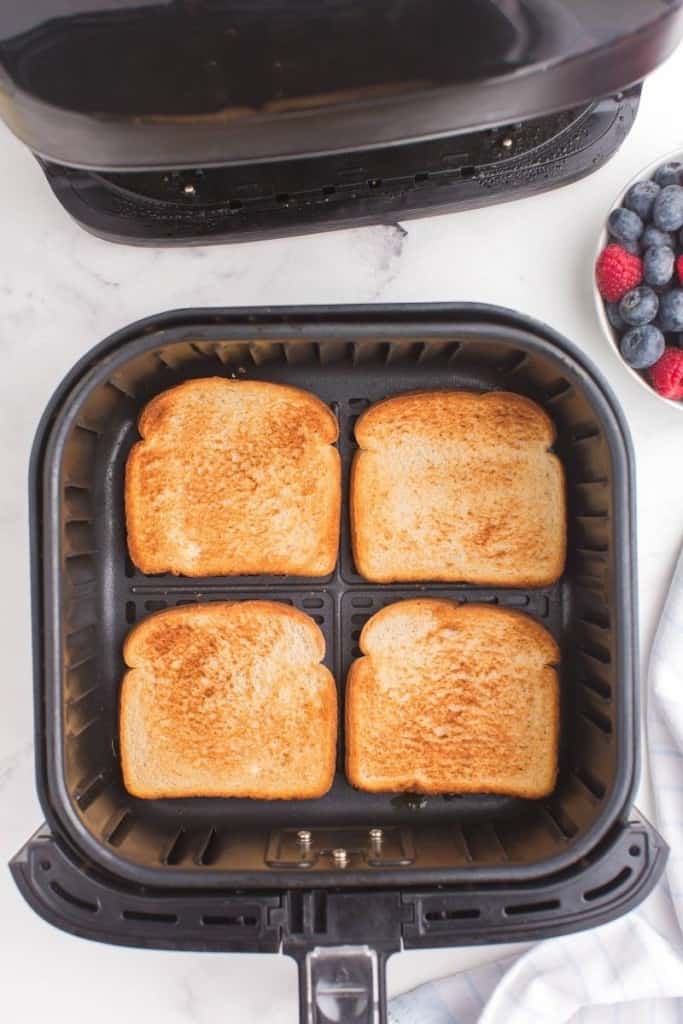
342,985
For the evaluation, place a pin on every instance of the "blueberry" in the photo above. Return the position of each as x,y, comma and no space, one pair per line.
653,236
667,209
640,198
671,311
639,306
631,247
658,265
625,225
642,346
669,174
614,316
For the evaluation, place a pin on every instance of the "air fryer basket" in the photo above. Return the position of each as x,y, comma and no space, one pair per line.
236,874
91,596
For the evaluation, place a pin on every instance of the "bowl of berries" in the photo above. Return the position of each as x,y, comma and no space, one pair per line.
639,278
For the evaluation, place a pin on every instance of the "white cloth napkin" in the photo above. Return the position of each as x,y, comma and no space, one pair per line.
629,971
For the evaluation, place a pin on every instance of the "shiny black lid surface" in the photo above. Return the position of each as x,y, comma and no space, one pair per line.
216,80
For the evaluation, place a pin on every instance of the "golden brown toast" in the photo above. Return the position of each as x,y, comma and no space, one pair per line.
457,486
453,699
234,477
228,699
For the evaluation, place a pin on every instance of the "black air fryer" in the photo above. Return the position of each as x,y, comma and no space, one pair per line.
212,120
342,882
182,121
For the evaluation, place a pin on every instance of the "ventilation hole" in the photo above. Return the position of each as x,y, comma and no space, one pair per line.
592,784
603,723
235,204
208,854
592,549
149,916
88,793
296,913
329,190
355,634
75,901
513,600
186,600
155,606
361,602
564,823
598,481
468,171
120,830
130,611
226,921
375,183
633,850
79,569
584,432
312,602
178,848
88,430
319,912
467,849
75,733
421,177
598,687
77,504
283,197
468,914
130,568
512,362
356,652
532,908
597,651
359,620
557,389
608,887
358,403
318,618
596,618
45,865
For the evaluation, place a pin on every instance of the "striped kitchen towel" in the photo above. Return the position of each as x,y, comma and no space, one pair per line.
629,971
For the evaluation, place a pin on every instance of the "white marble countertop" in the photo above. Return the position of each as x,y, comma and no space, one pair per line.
61,291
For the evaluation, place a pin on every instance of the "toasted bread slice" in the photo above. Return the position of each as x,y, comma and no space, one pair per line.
234,477
452,485
228,699
453,699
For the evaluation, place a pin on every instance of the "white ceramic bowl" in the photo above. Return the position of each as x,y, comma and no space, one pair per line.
603,240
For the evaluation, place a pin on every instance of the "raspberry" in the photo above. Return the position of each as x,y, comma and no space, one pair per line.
679,268
666,376
616,272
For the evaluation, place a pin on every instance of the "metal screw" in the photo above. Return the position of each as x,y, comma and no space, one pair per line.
189,190
304,837
340,858
376,836
507,142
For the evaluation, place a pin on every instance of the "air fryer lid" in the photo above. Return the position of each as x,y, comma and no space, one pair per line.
133,83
